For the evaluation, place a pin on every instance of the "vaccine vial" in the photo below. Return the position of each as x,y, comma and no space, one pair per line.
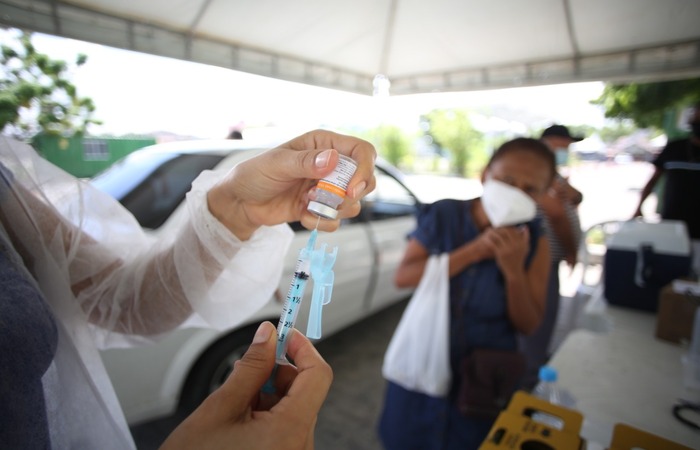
330,191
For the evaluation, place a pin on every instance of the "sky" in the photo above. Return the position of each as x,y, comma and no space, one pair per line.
140,93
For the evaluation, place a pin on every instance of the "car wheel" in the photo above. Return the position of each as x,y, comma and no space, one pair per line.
214,366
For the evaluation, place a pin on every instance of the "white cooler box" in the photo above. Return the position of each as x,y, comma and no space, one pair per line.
643,257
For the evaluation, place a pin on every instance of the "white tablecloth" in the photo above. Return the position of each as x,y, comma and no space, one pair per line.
625,375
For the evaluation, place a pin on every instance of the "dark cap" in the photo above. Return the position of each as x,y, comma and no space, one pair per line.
560,131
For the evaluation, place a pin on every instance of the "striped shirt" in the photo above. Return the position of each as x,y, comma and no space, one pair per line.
556,248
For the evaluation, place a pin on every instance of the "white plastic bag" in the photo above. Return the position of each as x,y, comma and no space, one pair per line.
418,354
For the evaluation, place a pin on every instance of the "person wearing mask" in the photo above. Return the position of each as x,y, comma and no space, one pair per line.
562,225
679,164
498,270
78,273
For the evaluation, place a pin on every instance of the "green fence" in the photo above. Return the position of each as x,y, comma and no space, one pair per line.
86,156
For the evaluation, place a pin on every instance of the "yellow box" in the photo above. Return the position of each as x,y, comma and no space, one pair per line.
516,429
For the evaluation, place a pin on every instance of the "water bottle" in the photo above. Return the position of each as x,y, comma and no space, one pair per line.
548,390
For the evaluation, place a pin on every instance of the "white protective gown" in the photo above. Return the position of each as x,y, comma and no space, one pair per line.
130,288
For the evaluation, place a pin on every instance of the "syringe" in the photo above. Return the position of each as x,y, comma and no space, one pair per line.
321,265
290,311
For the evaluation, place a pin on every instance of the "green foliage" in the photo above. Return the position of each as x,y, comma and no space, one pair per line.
453,131
391,143
36,95
647,103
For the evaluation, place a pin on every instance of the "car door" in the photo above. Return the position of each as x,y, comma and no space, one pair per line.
390,212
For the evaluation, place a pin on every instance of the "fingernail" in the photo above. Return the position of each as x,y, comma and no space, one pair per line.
263,333
357,191
322,159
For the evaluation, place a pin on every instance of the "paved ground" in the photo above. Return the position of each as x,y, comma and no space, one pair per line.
348,417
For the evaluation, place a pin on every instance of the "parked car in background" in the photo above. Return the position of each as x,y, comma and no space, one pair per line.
181,369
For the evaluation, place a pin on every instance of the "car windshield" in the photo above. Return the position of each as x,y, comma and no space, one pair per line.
152,185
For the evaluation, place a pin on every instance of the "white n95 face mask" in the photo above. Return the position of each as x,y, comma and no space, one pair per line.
506,205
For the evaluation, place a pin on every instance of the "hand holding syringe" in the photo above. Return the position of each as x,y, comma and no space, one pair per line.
315,263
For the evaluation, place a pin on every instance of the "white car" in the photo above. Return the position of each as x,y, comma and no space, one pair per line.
180,370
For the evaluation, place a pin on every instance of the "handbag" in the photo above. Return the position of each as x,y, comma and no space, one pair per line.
417,357
489,378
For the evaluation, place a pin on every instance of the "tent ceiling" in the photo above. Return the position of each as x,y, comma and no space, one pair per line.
420,45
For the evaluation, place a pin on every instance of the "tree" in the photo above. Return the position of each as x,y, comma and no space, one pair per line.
392,144
452,130
36,95
648,103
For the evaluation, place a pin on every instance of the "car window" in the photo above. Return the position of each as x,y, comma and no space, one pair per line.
126,174
156,198
389,200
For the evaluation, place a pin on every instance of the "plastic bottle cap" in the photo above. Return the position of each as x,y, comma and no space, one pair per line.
322,210
548,373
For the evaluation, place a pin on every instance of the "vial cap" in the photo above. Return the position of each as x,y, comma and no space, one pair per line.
322,210
548,373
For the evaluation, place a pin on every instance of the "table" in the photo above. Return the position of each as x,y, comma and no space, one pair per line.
625,375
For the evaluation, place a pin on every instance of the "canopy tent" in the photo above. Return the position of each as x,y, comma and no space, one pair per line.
418,45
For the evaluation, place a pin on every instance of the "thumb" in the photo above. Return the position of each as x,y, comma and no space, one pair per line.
315,164
251,371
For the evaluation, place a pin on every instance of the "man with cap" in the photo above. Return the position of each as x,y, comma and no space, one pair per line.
559,210
560,206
